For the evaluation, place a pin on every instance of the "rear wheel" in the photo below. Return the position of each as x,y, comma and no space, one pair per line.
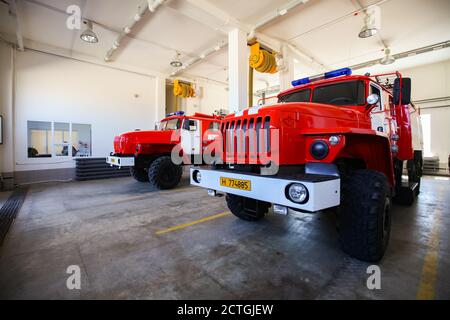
164,174
415,170
246,208
365,215
139,174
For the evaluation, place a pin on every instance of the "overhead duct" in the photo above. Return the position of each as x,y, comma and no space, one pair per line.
278,13
398,56
144,8
267,19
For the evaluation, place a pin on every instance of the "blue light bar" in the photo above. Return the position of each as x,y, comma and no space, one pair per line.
327,75
178,113
339,72
299,82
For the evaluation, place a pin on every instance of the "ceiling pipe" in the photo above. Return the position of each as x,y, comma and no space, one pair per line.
398,56
307,58
205,54
150,5
267,19
334,21
406,54
281,11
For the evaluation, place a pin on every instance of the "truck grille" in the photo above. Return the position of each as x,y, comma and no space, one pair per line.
245,139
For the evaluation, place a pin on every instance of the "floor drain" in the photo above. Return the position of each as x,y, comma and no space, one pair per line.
9,211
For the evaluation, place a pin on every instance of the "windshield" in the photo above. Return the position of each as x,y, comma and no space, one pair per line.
298,96
349,93
172,124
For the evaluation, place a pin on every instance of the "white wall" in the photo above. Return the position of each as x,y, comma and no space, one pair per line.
428,82
6,102
210,97
51,88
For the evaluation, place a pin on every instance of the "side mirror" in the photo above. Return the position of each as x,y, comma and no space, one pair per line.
372,100
405,91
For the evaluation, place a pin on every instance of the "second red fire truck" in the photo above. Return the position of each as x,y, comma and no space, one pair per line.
148,153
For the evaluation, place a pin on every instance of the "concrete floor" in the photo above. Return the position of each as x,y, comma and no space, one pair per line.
109,227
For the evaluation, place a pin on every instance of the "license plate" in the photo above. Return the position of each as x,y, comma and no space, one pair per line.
245,185
113,160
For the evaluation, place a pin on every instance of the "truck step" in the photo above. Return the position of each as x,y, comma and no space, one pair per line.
97,168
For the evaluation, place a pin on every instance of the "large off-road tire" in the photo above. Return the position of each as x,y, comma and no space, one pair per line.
364,215
164,174
139,174
415,168
246,208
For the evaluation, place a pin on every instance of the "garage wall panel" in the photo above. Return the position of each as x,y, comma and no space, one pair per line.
431,82
6,102
51,88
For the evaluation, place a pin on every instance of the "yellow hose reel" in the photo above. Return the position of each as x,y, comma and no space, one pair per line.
182,89
262,60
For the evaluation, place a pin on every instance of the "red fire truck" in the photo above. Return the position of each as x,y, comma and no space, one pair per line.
337,141
148,153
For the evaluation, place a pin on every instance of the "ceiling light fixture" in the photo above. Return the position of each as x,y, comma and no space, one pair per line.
177,63
388,58
369,28
89,35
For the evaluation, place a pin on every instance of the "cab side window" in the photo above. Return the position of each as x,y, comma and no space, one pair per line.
375,90
214,126
190,125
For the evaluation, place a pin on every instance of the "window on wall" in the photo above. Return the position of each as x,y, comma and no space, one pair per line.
425,120
58,139
61,139
81,140
39,139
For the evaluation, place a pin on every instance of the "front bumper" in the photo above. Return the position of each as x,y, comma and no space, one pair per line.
120,161
324,190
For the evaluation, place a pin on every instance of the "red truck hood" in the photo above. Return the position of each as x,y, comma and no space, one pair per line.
324,115
126,143
320,110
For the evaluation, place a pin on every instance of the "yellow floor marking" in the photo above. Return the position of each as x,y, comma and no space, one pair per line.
427,286
185,225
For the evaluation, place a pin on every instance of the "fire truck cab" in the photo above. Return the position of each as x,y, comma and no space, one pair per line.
149,153
334,141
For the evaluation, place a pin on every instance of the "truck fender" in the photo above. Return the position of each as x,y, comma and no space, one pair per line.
373,149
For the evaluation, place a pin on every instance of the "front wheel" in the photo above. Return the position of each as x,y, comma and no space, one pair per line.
139,174
246,208
164,174
364,215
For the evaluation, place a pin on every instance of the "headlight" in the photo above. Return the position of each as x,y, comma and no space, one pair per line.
298,193
319,149
197,176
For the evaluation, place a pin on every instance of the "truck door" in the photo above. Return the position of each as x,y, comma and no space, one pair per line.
191,136
379,115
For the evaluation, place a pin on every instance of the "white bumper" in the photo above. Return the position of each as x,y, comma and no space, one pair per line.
120,161
324,191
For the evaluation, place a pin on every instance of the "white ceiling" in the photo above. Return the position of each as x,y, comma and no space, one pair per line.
323,29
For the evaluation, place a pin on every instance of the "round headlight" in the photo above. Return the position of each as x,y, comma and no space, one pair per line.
197,176
297,193
319,149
